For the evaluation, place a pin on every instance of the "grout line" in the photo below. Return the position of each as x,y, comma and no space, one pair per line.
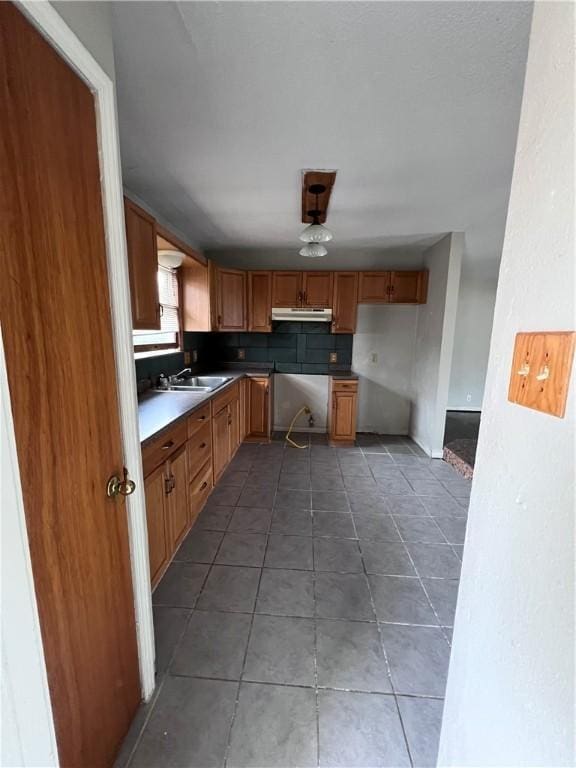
387,662
236,702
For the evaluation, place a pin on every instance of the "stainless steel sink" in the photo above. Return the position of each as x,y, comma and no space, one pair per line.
197,384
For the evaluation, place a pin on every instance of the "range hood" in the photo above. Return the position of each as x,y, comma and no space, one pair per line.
302,314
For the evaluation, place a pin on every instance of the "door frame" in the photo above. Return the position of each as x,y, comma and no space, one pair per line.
17,678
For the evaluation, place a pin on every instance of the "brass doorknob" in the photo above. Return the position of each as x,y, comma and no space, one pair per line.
124,487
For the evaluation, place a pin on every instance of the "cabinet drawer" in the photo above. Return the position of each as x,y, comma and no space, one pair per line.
200,488
221,401
345,386
199,448
164,446
198,419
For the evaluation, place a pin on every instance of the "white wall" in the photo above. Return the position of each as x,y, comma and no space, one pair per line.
472,337
434,344
291,392
385,385
510,694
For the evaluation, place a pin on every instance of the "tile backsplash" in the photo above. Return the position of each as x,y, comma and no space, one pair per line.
290,348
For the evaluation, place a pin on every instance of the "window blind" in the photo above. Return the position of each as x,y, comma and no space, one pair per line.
167,336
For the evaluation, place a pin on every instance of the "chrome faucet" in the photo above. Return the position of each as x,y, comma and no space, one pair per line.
180,375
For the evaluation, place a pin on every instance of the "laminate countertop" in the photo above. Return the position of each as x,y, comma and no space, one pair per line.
158,410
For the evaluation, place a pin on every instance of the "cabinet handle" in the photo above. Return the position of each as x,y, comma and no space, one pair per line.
201,418
202,445
167,445
169,484
219,320
204,485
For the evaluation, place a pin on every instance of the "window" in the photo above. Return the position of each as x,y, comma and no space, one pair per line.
167,336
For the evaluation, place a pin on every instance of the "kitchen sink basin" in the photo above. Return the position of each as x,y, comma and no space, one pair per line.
197,384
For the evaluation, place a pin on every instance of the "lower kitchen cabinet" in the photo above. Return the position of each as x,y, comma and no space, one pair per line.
177,510
178,480
259,408
343,408
155,491
225,428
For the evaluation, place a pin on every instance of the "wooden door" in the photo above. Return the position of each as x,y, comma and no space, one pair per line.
220,442
345,303
258,407
234,424
317,288
231,300
178,511
259,301
143,267
56,326
286,289
155,489
343,423
373,287
408,287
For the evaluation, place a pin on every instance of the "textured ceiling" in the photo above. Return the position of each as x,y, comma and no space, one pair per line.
416,105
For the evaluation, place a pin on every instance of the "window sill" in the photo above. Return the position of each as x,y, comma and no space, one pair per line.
157,353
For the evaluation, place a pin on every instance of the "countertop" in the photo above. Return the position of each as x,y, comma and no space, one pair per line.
159,410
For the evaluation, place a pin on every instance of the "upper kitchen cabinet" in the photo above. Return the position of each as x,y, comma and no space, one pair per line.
260,301
143,267
373,287
408,287
199,299
402,287
286,289
317,289
231,297
345,302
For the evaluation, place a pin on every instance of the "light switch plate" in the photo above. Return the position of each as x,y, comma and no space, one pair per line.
186,358
241,354
333,357
541,368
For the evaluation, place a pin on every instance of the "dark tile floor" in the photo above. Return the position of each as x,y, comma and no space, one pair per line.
306,619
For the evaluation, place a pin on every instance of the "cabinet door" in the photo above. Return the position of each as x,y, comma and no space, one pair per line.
345,304
154,490
408,287
178,512
317,289
259,301
343,422
258,407
244,408
234,425
231,300
143,267
373,287
220,442
286,289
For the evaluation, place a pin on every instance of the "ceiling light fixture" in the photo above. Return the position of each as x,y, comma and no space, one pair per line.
316,232
313,250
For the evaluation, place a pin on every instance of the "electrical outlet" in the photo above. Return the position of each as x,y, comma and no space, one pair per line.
468,398
241,354
186,358
194,355
374,357
333,357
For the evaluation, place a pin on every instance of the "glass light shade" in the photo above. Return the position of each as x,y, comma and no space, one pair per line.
316,233
313,250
